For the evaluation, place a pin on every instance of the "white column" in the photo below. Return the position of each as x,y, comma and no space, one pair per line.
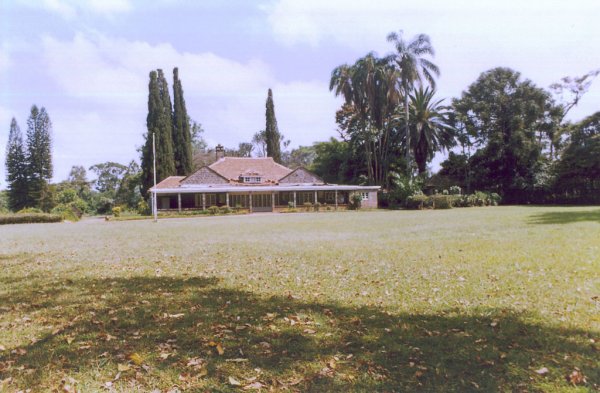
154,206
179,202
250,201
294,198
336,201
203,201
273,201
316,201
227,199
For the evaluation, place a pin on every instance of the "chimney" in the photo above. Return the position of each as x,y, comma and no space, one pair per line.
219,151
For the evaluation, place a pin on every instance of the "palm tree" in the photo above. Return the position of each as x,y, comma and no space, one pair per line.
369,88
430,129
412,66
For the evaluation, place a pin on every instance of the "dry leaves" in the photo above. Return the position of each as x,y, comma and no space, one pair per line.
576,377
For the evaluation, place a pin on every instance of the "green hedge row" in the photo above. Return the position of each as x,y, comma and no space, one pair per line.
417,202
29,218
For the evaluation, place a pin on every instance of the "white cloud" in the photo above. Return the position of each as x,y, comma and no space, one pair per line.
105,81
70,9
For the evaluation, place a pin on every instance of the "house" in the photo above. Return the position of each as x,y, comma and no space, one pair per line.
256,184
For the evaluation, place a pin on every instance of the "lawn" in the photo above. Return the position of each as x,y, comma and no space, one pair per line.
478,299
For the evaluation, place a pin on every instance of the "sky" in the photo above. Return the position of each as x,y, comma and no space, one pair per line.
87,61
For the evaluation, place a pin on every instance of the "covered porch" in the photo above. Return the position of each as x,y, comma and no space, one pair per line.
254,201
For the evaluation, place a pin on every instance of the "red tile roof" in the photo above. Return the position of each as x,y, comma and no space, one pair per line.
170,182
233,167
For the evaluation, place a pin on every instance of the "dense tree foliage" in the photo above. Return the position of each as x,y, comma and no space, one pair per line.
16,168
412,66
429,128
578,171
272,134
504,116
159,126
39,158
182,139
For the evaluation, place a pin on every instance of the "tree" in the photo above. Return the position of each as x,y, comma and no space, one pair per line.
336,162
366,119
109,175
259,142
16,169
430,130
502,114
198,142
158,123
182,139
412,66
578,170
39,157
272,131
303,156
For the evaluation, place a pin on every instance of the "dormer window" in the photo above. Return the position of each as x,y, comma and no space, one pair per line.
251,179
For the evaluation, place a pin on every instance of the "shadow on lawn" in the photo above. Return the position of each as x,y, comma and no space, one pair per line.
565,217
299,346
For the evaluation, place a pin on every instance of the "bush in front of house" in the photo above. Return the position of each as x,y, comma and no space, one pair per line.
416,202
317,206
355,202
213,210
143,208
29,218
308,206
226,210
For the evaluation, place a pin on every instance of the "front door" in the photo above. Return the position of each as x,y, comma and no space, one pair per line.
262,203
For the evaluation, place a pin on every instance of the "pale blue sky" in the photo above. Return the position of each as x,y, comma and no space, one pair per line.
87,61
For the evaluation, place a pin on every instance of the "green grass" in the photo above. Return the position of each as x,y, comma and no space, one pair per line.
452,300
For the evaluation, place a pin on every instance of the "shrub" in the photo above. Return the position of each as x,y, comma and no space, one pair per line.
65,212
226,210
29,218
29,210
117,210
213,210
441,202
317,206
291,205
143,209
416,202
455,190
355,202
495,198
308,206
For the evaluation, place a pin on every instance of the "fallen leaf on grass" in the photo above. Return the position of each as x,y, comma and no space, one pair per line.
542,371
576,377
123,367
220,349
176,316
234,382
310,331
136,359
2,348
254,386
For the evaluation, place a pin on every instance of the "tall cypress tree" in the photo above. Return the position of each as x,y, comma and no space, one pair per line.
158,123
182,139
38,156
271,131
16,168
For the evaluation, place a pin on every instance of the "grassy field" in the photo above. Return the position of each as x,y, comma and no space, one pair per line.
480,299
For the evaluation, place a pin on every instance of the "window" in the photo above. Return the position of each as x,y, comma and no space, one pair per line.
365,196
251,179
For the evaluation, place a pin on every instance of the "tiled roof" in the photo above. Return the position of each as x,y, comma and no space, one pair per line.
170,182
233,167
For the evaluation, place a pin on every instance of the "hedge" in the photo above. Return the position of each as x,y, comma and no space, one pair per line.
29,218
